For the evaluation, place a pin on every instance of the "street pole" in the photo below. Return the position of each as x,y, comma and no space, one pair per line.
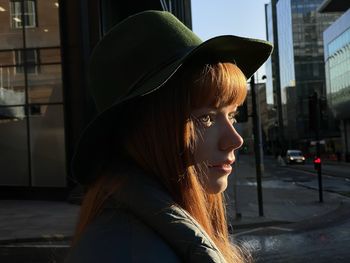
319,175
318,147
259,166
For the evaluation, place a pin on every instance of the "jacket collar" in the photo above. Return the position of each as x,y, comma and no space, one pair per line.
146,198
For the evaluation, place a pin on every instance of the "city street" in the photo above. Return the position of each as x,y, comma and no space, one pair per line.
329,244
91,92
324,239
335,177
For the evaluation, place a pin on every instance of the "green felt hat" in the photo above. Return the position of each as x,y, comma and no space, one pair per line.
138,56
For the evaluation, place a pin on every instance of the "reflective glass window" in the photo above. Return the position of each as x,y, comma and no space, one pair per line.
18,12
13,147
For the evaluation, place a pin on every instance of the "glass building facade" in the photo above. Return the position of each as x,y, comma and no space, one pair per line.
44,101
285,46
337,61
32,138
269,63
300,38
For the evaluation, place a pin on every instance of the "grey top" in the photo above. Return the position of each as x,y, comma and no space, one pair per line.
141,223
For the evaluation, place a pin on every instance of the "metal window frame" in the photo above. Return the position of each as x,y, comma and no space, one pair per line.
20,13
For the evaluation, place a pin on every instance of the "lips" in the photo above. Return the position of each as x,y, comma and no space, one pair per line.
222,166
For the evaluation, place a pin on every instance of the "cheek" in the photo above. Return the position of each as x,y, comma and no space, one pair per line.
204,147
199,152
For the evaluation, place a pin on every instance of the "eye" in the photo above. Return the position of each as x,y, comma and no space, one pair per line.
206,120
232,117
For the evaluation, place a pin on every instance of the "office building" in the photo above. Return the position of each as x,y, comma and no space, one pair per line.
301,70
275,131
337,63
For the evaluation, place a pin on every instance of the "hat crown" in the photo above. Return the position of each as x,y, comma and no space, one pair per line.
132,51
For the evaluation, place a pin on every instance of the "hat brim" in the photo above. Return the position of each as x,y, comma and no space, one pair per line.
248,54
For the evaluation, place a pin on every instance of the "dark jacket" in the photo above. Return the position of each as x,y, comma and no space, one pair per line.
141,223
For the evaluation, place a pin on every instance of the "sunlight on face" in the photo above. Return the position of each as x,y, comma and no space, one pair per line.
217,140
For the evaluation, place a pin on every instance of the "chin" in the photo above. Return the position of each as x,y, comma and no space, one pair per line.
217,187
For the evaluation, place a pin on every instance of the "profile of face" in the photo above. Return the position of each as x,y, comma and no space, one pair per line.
216,142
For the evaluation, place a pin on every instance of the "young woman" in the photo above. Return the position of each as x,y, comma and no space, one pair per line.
156,160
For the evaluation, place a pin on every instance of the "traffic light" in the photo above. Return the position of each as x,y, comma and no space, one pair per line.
317,163
242,115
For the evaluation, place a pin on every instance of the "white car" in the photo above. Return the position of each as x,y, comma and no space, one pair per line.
295,156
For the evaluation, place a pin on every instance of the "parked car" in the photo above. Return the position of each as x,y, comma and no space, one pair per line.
295,156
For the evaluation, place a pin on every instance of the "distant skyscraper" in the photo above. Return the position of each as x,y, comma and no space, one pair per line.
273,89
301,64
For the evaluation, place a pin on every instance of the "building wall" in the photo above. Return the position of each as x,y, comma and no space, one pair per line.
308,26
337,61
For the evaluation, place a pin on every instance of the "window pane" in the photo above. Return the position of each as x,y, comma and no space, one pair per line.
10,38
11,86
13,147
16,14
31,55
29,6
46,86
28,58
32,61
46,34
30,13
48,146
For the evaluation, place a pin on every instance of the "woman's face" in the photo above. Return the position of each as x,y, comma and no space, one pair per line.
216,142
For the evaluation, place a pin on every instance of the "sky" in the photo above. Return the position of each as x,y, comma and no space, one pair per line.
229,17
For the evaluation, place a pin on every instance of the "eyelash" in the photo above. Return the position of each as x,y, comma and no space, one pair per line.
205,119
233,118
208,119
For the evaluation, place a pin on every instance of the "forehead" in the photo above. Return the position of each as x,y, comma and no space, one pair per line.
217,95
218,86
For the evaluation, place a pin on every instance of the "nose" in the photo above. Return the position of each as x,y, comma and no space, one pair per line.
230,139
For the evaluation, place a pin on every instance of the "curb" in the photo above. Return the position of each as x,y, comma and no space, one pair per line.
329,219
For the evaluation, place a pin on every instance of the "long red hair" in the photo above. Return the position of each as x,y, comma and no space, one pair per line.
160,136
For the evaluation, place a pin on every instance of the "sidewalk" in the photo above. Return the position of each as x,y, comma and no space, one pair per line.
33,221
284,203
